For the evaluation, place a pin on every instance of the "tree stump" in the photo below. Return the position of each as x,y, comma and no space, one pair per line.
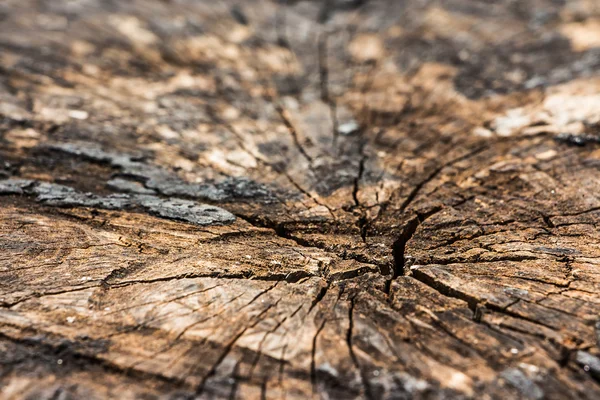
299,199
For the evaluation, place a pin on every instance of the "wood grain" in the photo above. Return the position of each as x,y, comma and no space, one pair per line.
299,199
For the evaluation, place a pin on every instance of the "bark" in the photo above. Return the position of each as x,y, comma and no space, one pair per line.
299,199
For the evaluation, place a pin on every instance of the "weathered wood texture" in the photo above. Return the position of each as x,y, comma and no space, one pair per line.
304,199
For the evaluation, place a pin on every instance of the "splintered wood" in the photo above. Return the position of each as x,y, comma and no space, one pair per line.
304,199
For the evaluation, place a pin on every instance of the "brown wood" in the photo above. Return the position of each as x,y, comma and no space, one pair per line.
299,199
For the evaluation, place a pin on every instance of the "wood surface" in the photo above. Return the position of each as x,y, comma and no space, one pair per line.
337,199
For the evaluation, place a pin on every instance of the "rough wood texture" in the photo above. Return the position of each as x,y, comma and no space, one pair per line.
305,199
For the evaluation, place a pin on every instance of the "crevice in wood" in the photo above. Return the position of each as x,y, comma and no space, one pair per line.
446,290
419,186
349,339
282,231
313,369
293,132
319,297
363,221
85,361
399,246
229,347
359,175
323,64
234,386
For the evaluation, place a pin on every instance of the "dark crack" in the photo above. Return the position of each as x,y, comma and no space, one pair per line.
349,342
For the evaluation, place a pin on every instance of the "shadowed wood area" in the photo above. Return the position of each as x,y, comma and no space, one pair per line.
336,199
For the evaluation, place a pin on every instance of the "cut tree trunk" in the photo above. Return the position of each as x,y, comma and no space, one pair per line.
299,199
